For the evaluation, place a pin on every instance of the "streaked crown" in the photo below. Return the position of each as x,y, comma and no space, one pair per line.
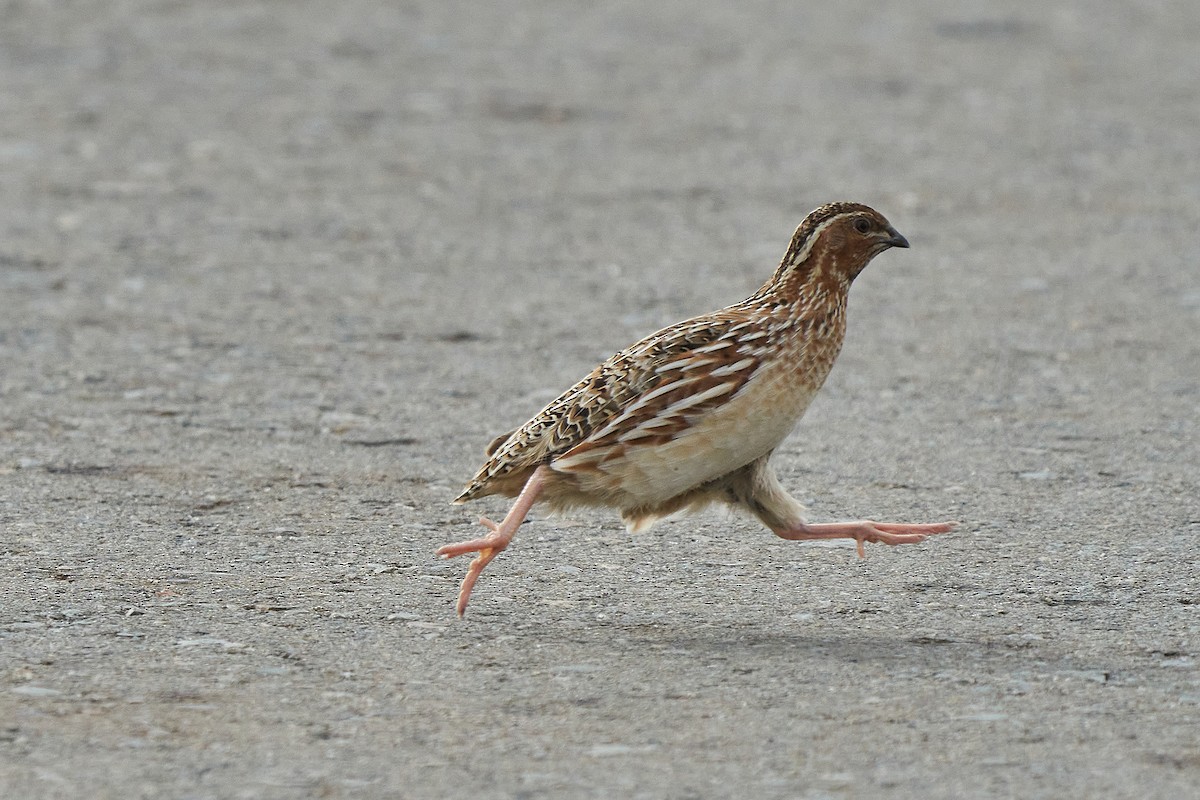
842,237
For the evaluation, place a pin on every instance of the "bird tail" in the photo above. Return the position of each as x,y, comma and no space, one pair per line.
469,493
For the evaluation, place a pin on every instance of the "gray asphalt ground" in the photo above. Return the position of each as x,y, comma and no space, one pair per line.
274,273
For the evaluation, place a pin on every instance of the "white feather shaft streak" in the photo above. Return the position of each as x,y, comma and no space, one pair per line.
733,369
683,404
633,410
719,344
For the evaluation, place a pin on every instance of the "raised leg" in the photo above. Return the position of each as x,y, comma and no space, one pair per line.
490,546
756,488
892,533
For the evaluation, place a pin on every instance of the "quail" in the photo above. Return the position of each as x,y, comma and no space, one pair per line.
690,415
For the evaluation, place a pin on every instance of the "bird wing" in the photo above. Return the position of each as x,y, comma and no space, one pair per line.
640,396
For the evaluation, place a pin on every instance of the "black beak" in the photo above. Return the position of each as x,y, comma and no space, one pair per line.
897,239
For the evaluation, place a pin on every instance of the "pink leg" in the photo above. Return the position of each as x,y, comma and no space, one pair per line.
892,533
490,546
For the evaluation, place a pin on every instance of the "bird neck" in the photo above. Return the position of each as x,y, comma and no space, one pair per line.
806,285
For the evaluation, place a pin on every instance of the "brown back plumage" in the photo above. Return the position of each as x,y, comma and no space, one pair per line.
568,424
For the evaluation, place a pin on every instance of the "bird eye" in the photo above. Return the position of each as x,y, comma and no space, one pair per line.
862,224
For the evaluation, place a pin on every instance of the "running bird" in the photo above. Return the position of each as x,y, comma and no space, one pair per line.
691,414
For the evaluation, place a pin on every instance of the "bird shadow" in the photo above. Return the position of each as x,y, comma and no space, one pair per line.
922,653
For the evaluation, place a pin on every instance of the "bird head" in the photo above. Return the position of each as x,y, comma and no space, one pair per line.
835,243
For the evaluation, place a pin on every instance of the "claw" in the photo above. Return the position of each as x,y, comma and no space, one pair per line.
491,545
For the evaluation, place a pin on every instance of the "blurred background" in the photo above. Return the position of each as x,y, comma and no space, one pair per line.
272,274
588,172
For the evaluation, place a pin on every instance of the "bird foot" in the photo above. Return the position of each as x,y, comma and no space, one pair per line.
488,548
493,541
501,534
889,533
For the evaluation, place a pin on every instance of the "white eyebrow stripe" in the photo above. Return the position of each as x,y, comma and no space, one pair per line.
812,238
